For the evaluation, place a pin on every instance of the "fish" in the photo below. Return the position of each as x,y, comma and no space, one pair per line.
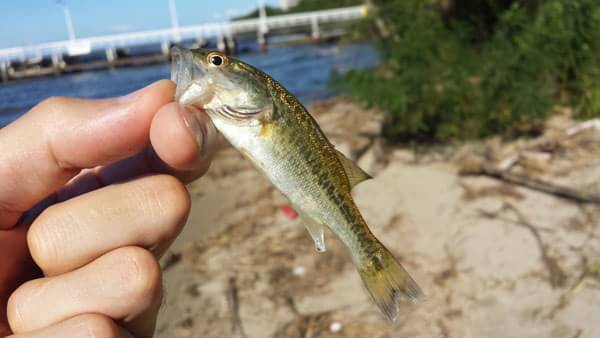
272,129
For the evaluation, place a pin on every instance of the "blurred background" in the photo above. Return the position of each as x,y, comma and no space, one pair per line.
477,119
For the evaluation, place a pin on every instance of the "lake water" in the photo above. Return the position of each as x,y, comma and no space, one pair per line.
305,70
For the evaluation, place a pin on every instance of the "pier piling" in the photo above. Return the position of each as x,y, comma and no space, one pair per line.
262,42
263,27
4,71
58,64
221,44
111,55
165,48
230,44
314,25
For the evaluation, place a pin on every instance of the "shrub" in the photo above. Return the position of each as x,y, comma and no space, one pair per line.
472,71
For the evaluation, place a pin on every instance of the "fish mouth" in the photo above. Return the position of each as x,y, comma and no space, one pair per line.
190,77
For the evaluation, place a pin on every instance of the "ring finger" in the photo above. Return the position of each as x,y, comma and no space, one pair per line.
123,284
88,325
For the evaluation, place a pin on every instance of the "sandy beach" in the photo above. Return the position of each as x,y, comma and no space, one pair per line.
494,259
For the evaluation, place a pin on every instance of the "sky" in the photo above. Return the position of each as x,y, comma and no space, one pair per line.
26,22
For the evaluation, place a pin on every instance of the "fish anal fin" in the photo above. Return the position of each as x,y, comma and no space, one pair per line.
354,173
316,231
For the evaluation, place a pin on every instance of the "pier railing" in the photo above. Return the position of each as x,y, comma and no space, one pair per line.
261,26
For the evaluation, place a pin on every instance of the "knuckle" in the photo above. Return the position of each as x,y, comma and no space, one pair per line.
7,206
140,273
18,313
13,315
98,326
51,104
170,188
44,237
171,201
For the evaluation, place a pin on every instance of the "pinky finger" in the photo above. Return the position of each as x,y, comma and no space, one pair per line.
87,325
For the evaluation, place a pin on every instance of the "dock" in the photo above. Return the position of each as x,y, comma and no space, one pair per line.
93,53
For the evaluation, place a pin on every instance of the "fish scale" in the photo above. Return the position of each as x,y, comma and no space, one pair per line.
312,158
272,129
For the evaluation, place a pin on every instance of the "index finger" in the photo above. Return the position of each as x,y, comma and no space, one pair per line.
49,145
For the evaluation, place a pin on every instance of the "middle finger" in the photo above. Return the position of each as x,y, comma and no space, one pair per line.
148,212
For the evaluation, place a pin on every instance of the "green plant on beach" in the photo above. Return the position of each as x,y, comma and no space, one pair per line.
302,6
469,71
315,5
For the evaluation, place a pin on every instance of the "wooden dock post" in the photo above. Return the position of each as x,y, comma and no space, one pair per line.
58,64
221,44
111,56
165,48
231,46
262,42
314,26
262,28
4,65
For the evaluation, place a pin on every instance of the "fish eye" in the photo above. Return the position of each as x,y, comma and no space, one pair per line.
216,59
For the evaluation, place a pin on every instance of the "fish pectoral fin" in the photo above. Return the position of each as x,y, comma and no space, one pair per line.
316,231
355,173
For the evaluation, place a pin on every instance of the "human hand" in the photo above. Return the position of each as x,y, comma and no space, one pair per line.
84,261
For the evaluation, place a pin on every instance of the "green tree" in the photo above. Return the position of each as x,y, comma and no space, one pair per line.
477,68
303,6
315,5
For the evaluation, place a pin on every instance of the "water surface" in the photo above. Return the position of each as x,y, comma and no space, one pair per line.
304,69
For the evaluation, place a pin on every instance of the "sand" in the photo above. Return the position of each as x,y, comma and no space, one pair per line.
495,260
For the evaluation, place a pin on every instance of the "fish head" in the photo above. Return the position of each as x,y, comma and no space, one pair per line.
226,88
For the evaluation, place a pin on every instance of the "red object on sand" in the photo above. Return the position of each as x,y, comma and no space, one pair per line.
289,212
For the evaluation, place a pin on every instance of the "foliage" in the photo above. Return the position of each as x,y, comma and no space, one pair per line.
315,5
270,11
302,6
472,71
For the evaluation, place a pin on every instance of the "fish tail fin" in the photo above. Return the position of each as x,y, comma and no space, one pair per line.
387,281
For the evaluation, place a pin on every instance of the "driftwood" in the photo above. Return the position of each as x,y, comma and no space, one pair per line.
590,124
543,186
474,165
233,302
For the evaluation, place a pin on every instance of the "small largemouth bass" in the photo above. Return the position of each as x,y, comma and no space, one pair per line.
271,128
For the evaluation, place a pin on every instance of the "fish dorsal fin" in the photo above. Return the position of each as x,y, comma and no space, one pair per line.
355,173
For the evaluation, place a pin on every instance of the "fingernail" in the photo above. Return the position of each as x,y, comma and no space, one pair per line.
201,129
193,125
